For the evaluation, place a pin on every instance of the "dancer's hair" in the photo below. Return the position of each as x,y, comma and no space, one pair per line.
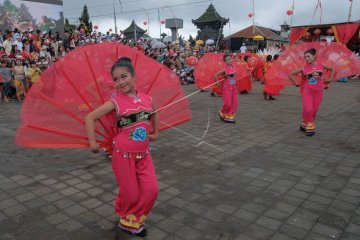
124,62
268,58
312,51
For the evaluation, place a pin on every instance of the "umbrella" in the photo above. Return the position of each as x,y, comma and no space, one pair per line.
199,42
258,38
209,42
158,45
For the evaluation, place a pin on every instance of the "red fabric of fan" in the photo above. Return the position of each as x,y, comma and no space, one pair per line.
53,113
335,55
254,59
206,68
209,65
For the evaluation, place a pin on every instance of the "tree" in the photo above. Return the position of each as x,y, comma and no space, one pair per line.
181,40
9,6
85,20
24,14
70,28
191,40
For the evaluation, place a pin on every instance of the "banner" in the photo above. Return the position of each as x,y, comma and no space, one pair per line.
25,15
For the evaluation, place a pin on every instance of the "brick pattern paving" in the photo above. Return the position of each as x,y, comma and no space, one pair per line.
257,179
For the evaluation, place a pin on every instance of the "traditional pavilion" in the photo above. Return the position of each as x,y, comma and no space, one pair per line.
134,31
247,35
210,24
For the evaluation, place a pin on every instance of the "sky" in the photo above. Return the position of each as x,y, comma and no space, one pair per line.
267,13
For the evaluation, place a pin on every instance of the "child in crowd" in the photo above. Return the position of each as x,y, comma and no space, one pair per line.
19,79
33,73
6,77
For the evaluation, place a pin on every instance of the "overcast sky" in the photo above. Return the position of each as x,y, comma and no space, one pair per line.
268,13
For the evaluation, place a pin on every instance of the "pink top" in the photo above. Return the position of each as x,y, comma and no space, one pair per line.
229,70
313,74
133,120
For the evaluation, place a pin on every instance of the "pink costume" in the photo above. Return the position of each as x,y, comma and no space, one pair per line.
132,162
229,95
312,93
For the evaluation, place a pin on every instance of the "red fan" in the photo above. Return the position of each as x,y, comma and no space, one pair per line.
254,60
210,64
334,55
206,68
55,107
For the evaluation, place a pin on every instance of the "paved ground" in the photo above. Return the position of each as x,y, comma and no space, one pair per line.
262,179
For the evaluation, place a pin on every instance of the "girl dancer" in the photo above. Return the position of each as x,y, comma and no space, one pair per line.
311,88
131,158
229,92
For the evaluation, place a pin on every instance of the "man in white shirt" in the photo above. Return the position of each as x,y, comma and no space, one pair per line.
18,41
7,44
243,48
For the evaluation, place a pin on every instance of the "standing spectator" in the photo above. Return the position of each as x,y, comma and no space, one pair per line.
5,73
14,48
18,41
54,46
243,48
66,42
8,44
19,79
44,53
2,52
26,46
43,63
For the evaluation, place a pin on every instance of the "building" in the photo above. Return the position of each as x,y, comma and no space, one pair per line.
210,25
133,31
258,37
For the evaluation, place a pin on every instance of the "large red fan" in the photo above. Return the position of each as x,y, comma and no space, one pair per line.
206,68
54,110
209,65
334,55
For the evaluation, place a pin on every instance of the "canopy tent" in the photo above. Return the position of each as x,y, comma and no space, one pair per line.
342,32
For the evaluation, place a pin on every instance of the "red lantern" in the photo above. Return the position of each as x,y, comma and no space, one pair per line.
330,31
162,21
317,32
307,34
96,27
110,30
289,12
82,30
250,15
145,23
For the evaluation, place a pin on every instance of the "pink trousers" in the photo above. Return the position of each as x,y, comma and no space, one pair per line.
230,98
311,100
137,189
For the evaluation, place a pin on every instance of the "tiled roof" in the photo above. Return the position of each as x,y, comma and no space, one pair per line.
131,28
250,33
210,15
